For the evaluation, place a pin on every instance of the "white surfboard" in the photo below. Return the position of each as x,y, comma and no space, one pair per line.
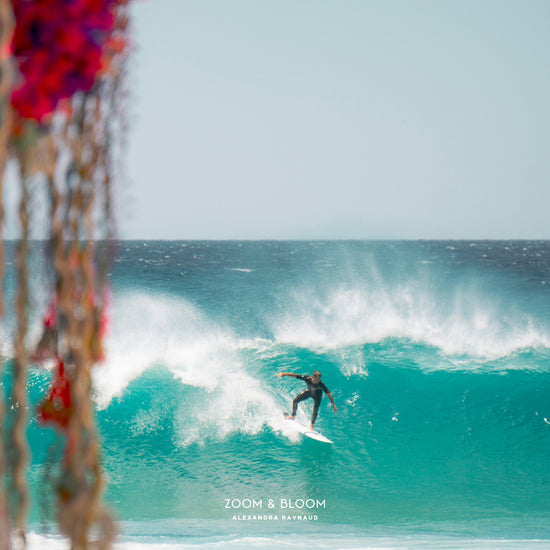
307,431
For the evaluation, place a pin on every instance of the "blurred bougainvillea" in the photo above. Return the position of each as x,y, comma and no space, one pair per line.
62,97
60,47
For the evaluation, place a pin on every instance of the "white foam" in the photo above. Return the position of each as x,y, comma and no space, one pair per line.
322,539
150,330
238,403
463,322
140,331
161,330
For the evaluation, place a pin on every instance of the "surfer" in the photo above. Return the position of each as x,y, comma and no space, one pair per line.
315,389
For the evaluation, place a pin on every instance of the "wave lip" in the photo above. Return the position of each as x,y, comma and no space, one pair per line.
465,324
227,397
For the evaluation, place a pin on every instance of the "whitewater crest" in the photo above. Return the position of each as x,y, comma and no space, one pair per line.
460,323
161,331
150,330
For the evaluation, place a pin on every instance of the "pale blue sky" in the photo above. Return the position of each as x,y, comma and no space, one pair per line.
253,119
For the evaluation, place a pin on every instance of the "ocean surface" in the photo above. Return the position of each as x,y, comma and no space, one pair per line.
437,355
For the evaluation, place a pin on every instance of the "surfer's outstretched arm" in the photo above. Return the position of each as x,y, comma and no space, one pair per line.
281,374
329,395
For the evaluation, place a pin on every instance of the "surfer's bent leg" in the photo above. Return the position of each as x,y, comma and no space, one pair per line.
297,399
317,402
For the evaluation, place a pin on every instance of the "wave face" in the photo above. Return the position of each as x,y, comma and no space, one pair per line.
437,354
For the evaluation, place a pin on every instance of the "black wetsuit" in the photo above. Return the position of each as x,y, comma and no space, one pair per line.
314,390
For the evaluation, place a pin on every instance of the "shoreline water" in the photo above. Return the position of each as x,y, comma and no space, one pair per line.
179,534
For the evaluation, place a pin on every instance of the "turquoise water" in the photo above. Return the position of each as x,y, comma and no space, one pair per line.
438,358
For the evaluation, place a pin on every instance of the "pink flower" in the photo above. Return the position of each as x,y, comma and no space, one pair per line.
58,46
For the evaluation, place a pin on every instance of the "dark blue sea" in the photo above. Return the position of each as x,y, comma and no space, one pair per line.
438,357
